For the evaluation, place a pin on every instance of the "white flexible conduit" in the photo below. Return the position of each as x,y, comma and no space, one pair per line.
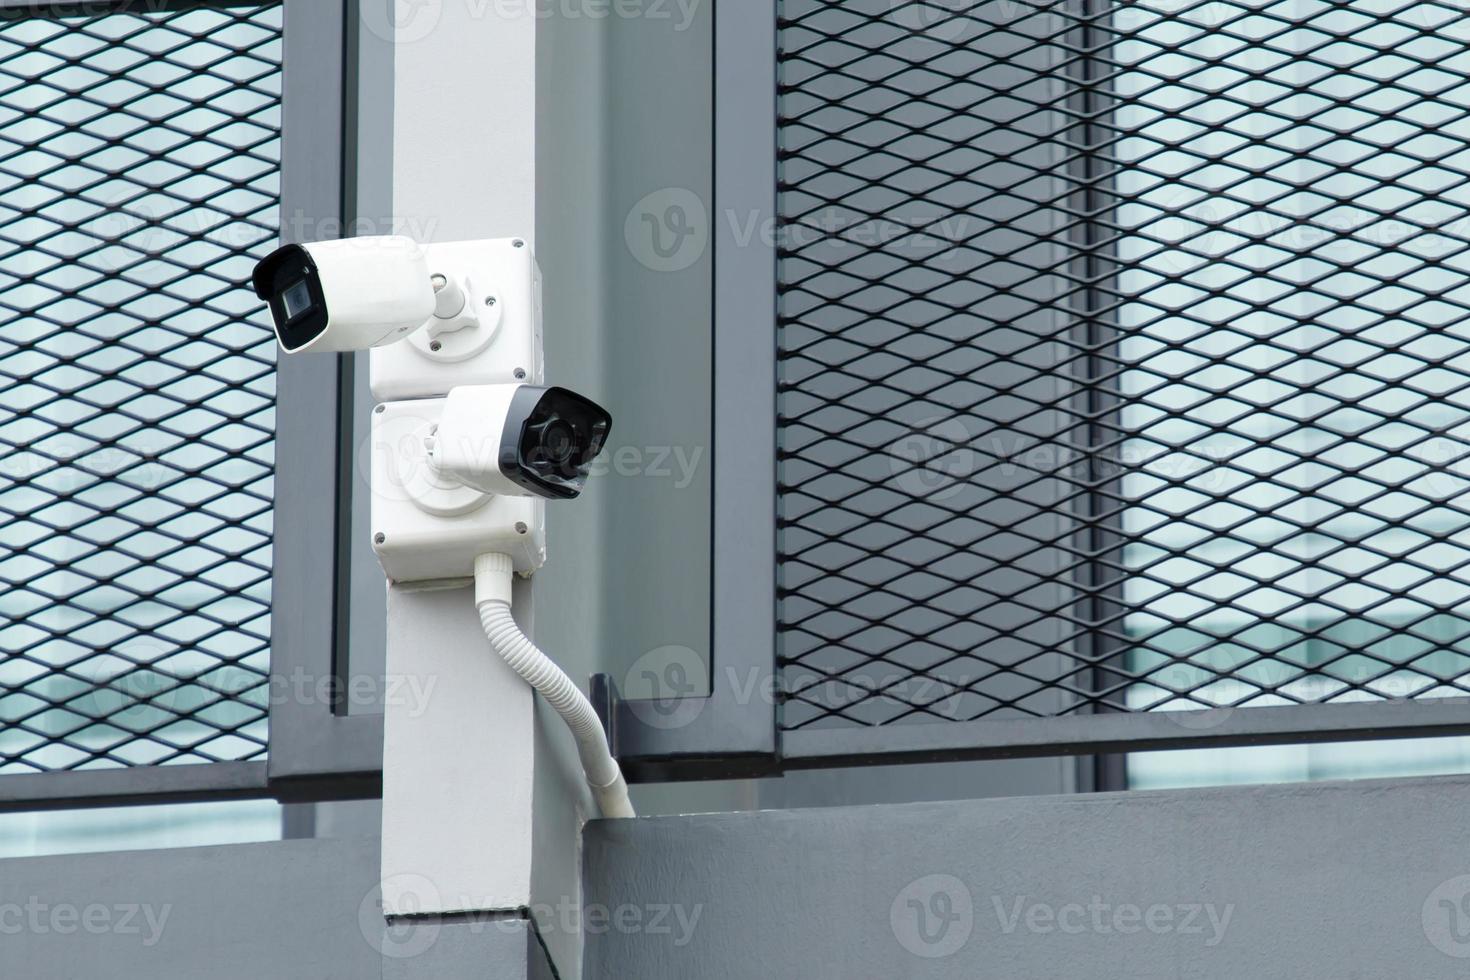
493,574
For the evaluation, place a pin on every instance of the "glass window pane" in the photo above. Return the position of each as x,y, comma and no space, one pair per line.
139,182
1296,397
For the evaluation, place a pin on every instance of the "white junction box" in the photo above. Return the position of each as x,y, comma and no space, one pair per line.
486,331
427,527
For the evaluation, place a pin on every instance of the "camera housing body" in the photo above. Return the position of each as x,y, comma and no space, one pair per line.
467,313
519,440
427,525
346,294
469,474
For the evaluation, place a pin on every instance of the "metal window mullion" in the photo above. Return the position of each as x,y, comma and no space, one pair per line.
316,750
1098,533
731,733
1105,533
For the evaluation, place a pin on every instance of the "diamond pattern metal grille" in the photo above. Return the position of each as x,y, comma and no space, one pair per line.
1124,356
139,180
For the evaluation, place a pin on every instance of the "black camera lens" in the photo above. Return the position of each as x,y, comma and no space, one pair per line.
288,281
296,300
558,442
550,439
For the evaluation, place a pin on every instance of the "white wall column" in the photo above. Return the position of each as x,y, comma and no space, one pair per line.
481,808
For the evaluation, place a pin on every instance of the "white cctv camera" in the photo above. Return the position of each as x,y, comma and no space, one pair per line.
436,316
518,440
346,294
461,476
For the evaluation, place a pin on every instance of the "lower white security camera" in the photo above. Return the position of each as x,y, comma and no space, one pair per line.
457,477
518,440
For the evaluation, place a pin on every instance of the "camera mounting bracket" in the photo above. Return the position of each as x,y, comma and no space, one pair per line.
493,337
428,527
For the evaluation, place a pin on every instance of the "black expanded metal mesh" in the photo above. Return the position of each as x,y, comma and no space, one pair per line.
1124,356
139,181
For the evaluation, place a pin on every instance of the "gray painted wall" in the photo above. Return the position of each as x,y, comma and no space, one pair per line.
657,361
1361,880
622,113
293,909
286,909
483,948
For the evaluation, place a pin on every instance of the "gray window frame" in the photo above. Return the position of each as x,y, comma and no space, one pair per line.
736,733
314,751
317,751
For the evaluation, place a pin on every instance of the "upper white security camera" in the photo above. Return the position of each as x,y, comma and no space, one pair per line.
347,294
436,316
